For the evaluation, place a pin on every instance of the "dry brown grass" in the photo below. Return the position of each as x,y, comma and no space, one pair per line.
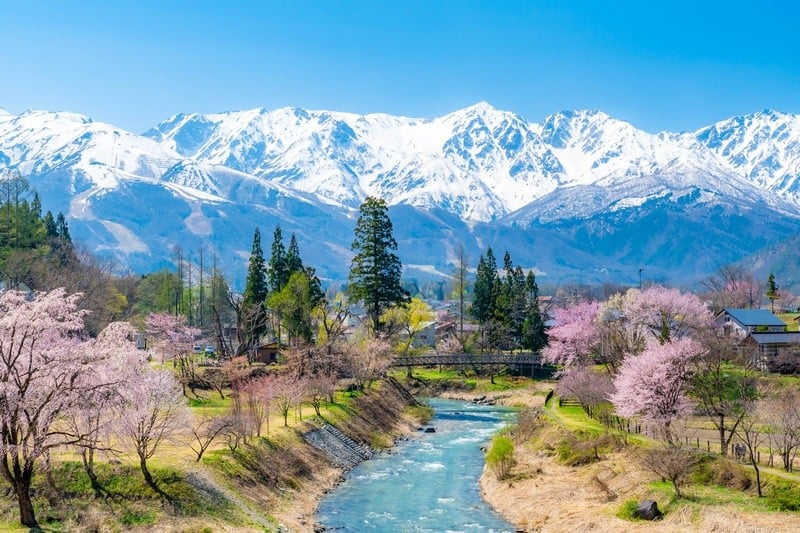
545,496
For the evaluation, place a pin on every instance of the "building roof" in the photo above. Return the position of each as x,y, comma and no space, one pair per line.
792,337
754,317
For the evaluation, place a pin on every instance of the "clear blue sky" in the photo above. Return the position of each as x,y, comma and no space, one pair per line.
662,66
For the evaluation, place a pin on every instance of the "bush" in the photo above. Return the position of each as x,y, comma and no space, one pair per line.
784,496
585,448
722,472
528,423
500,457
628,510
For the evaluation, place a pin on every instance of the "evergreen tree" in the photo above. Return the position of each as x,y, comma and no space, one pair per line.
534,331
277,270
251,316
772,291
293,262
62,228
50,225
315,291
255,291
484,289
375,270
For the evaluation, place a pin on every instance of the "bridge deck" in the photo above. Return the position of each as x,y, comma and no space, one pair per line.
468,359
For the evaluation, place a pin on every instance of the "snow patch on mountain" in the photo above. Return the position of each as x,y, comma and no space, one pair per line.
126,241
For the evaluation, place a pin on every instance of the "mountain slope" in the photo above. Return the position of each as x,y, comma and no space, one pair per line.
580,195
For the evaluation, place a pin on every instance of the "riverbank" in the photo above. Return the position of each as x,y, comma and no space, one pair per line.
541,495
548,497
378,418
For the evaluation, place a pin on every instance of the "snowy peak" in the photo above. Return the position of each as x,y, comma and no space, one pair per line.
763,147
42,141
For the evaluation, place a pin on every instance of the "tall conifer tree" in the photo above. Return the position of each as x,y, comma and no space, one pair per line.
255,291
277,272
375,270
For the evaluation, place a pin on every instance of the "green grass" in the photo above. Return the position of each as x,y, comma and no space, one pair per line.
467,380
789,318
127,500
210,404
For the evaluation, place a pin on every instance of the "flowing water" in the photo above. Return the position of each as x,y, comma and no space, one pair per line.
426,483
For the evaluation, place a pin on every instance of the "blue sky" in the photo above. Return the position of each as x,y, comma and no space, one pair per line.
662,66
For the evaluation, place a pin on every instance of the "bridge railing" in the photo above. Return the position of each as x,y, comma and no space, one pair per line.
467,359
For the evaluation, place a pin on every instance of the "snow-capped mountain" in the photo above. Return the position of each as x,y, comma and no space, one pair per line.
763,147
479,162
580,194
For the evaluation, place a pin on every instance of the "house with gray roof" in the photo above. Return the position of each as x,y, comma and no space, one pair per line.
743,322
764,349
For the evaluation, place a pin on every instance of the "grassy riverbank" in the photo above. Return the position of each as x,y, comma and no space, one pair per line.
572,474
272,483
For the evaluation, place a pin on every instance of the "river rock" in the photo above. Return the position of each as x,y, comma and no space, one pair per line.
647,510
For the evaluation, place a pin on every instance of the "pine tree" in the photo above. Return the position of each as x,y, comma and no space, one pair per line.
62,228
293,262
276,271
772,291
255,291
50,225
375,270
534,330
484,289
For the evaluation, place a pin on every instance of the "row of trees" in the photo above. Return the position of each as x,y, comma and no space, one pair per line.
664,361
507,307
63,388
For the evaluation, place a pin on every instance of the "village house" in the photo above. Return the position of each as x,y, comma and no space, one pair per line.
743,322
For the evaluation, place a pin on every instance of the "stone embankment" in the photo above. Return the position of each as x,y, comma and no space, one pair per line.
343,451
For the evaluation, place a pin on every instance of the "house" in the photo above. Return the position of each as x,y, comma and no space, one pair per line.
267,353
426,336
743,322
770,350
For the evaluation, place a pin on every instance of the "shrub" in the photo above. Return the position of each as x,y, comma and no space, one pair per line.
628,510
672,464
585,448
573,452
528,423
722,472
500,457
784,496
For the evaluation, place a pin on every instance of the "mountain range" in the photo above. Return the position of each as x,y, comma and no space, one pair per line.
579,197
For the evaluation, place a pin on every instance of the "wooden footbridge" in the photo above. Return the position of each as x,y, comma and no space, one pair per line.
469,359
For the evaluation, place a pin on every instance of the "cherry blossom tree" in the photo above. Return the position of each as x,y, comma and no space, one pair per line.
257,395
368,360
319,388
154,412
174,339
667,313
116,357
574,337
590,388
44,375
653,385
284,391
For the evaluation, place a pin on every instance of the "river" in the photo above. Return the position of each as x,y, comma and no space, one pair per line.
427,483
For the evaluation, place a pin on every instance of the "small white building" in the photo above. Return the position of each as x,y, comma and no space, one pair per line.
743,322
